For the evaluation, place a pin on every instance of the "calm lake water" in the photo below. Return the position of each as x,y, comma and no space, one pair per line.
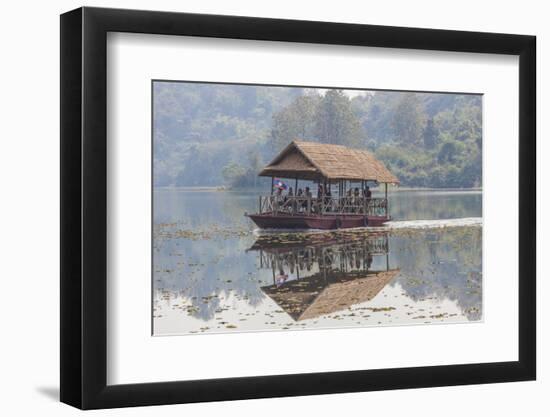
213,272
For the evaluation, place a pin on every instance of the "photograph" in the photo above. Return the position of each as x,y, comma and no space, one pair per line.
241,208
289,208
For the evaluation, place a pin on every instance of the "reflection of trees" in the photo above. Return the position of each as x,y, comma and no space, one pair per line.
444,264
435,264
203,271
441,264
235,204
211,265
422,205
202,209
438,264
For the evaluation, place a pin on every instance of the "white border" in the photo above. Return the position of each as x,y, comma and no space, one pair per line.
134,356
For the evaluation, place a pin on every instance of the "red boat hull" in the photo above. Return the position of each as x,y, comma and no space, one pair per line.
326,222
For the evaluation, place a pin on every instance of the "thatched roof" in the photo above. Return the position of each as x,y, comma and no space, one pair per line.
318,161
313,297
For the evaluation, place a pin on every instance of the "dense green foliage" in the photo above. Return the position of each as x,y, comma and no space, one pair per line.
201,129
213,134
427,140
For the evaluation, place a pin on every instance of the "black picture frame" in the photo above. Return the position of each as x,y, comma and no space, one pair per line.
84,207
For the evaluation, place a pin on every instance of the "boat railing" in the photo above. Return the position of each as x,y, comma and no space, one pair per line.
301,205
276,204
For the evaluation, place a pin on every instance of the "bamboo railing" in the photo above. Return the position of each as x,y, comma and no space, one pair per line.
300,205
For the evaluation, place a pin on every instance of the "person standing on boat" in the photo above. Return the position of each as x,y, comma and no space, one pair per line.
299,196
279,199
367,195
290,196
308,197
320,197
328,195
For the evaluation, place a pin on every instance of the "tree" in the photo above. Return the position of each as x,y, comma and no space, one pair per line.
255,165
296,121
450,152
408,120
336,122
232,171
430,135
200,130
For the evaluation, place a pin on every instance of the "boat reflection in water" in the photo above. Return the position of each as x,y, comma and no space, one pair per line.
324,275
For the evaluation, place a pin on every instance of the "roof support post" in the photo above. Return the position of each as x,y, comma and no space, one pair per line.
386,197
339,193
294,204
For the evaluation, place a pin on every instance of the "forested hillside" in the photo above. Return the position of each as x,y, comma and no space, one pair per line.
216,134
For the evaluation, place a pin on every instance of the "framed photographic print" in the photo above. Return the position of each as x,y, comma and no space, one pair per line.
257,207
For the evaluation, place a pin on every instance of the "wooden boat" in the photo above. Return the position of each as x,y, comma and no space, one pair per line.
328,167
